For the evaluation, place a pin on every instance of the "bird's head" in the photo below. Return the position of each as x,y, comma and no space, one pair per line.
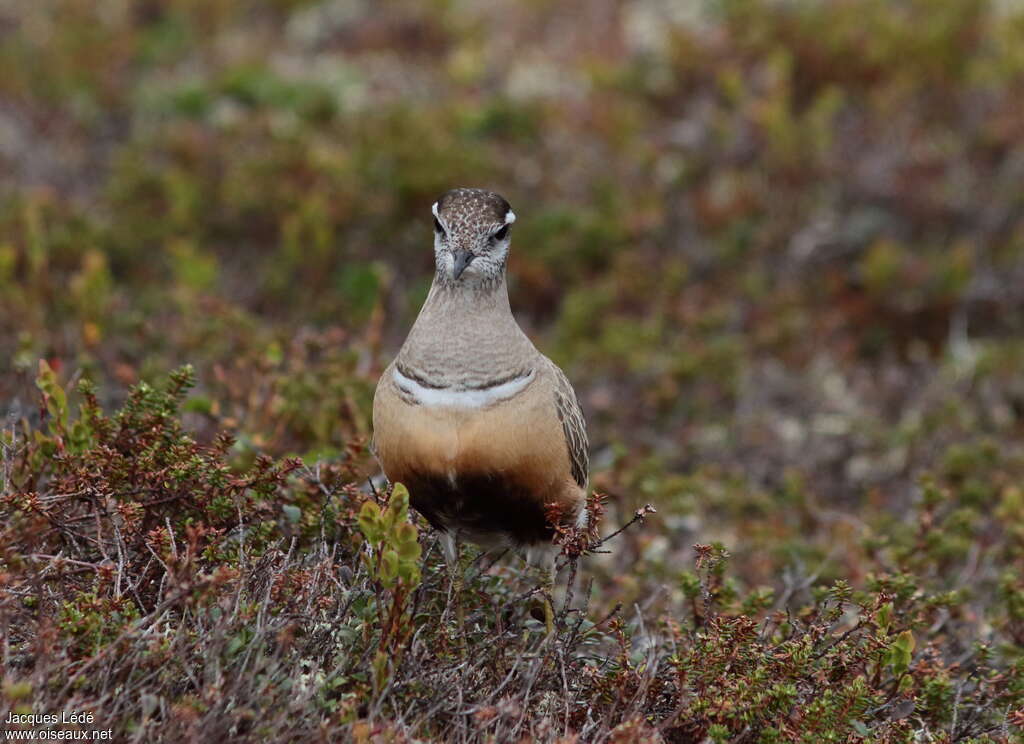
471,236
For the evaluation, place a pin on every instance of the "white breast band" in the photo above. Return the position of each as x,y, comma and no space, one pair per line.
456,398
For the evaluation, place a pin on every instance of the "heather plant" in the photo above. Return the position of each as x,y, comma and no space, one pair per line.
181,591
393,563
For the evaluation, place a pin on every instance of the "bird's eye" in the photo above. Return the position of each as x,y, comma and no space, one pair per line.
437,226
501,234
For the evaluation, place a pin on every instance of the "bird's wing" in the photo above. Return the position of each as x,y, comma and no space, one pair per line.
575,428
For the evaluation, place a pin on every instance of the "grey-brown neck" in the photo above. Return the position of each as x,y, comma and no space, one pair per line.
466,337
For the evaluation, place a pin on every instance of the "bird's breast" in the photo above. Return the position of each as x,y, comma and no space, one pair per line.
473,465
514,435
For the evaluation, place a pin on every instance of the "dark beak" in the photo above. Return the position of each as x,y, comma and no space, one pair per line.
462,259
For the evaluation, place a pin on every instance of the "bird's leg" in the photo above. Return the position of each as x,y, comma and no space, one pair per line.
548,584
450,544
542,560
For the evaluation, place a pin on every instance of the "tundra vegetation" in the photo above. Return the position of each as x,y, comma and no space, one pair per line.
778,248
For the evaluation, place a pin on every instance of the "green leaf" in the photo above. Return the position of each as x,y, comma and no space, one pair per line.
53,393
408,544
884,616
900,652
81,435
400,502
410,574
369,523
389,567
389,518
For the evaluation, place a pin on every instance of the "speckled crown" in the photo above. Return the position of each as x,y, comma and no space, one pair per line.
473,208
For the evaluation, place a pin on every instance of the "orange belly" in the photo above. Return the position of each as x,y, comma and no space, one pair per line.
484,472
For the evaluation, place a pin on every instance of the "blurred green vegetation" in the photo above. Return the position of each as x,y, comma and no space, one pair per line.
778,248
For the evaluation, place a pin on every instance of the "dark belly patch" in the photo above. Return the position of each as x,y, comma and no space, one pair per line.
480,503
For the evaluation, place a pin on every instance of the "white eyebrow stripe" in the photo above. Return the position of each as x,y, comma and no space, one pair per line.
453,398
434,210
510,217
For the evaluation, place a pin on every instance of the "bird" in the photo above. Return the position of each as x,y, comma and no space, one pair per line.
486,433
